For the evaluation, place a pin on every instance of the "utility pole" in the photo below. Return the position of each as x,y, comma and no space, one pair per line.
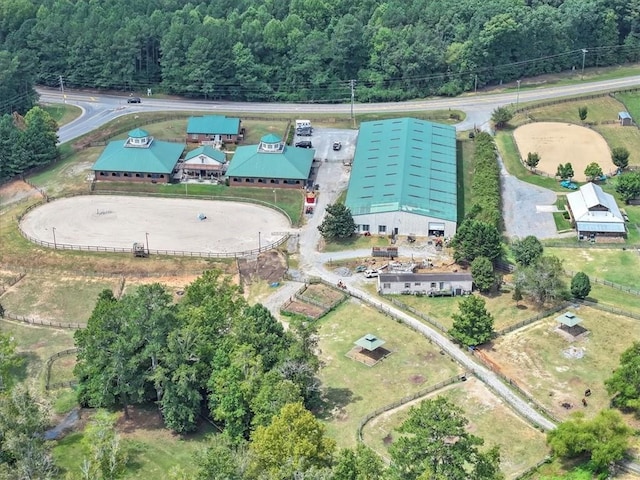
62,89
584,53
147,235
518,95
352,84
475,84
55,245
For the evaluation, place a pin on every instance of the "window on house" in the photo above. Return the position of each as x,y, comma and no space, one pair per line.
364,228
433,284
386,285
137,175
102,174
126,174
382,228
416,284
407,284
441,285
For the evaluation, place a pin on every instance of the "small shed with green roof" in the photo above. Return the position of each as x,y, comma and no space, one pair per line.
214,129
271,163
204,162
139,158
404,178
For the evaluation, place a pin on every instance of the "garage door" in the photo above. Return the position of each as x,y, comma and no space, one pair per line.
436,226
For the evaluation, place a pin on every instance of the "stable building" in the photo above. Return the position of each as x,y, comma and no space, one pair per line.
204,163
139,158
272,164
595,213
403,179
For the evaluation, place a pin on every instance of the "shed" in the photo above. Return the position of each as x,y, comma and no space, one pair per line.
569,323
368,350
625,119
369,342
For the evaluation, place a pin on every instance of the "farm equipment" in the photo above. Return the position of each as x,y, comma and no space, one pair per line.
139,250
568,184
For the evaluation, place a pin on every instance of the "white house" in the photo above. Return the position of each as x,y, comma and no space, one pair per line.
431,284
403,179
595,212
204,162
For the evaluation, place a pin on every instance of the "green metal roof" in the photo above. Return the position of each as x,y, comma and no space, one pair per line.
290,164
271,138
138,133
159,157
213,124
209,152
369,342
406,165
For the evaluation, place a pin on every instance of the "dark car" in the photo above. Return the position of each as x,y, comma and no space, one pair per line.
304,144
134,100
337,146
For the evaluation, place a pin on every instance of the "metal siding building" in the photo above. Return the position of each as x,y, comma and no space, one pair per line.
403,178
459,283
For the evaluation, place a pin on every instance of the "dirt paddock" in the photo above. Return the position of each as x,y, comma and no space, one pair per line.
561,143
171,224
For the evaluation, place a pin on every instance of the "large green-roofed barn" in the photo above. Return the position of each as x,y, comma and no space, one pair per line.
403,178
139,158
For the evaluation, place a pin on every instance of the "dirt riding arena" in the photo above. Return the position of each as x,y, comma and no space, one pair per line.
561,143
171,224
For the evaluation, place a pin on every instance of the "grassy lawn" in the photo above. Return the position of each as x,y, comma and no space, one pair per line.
631,101
521,446
535,357
56,298
62,113
501,306
562,223
352,389
613,265
614,298
153,451
35,345
69,175
355,242
600,109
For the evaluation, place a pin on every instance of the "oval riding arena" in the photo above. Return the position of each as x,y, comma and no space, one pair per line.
164,225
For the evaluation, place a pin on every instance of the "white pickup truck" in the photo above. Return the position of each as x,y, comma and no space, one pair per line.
374,272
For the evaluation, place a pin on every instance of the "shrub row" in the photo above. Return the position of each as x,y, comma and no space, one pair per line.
486,182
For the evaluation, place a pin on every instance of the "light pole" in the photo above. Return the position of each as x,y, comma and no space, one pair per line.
259,242
518,94
275,196
55,245
584,54
146,234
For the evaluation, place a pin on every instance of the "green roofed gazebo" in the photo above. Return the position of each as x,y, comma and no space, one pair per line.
369,342
569,323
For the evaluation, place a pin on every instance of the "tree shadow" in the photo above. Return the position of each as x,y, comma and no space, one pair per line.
20,373
335,399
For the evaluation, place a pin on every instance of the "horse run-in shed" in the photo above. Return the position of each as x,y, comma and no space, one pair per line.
368,350
569,324
625,119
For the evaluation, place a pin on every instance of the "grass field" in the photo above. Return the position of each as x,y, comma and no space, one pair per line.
153,451
62,113
535,357
352,389
501,306
355,242
56,298
614,265
521,446
35,345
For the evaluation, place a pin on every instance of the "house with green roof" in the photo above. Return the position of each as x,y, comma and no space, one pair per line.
403,178
204,163
139,158
214,129
271,163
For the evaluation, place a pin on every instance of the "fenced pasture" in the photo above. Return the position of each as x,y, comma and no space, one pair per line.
521,446
555,369
351,389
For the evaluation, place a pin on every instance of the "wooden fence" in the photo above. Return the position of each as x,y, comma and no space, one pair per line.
50,360
11,282
44,323
607,283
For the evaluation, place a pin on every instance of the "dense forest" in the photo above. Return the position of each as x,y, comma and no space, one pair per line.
304,50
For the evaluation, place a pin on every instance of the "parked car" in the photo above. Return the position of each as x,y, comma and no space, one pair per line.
304,144
337,146
134,100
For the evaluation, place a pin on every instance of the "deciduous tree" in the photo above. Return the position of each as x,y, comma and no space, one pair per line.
501,117
359,464
593,171
482,273
543,280
337,223
580,285
565,171
435,443
582,113
527,250
533,159
107,457
627,186
624,385
9,359
620,157
473,325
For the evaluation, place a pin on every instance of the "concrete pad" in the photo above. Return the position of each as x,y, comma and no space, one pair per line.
171,224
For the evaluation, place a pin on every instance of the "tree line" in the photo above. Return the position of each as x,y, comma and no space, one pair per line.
305,50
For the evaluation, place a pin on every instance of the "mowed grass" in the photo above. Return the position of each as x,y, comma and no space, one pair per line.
599,109
502,307
521,446
153,450
352,389
56,298
35,345
615,265
62,113
354,242
535,357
